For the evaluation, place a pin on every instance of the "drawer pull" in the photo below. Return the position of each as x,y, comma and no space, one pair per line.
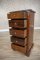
16,41
15,33
15,24
14,15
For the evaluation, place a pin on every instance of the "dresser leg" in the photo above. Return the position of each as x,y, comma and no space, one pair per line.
12,46
28,52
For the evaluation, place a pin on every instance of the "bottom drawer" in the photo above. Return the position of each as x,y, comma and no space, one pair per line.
19,41
19,48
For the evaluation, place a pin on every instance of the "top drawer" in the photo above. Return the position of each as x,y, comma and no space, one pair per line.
15,15
18,23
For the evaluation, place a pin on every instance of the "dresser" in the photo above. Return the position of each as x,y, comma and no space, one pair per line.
21,27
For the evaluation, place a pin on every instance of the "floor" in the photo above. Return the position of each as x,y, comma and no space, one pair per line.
6,53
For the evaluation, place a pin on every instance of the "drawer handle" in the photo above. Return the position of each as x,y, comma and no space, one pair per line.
16,41
14,15
15,24
15,33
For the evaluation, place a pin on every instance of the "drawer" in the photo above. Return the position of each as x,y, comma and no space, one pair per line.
18,23
19,48
14,15
19,41
18,33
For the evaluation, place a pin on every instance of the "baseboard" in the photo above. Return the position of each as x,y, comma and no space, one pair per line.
4,30
36,27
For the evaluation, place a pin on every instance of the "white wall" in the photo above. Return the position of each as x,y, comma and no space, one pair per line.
13,5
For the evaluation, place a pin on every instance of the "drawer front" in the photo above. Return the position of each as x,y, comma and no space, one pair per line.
18,33
17,15
19,41
19,48
18,23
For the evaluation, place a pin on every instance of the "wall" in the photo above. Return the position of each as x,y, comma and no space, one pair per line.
13,5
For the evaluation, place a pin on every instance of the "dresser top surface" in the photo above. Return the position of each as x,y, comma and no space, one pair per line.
28,10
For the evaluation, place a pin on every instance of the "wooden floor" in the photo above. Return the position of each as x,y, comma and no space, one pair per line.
6,53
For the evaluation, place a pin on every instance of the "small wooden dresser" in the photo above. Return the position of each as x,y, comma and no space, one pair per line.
22,26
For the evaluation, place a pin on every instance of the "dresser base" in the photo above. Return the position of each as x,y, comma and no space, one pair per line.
22,49
28,52
18,48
